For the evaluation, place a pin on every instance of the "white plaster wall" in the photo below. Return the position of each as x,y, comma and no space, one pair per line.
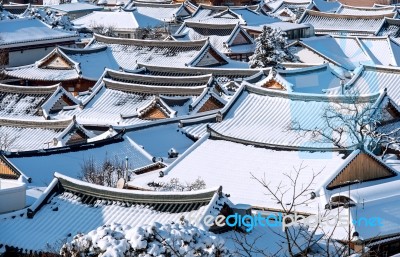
12,195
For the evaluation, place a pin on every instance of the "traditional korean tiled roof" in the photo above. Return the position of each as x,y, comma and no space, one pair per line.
313,79
371,79
153,14
274,6
73,206
220,74
64,64
324,6
328,23
246,15
253,111
31,135
120,20
224,37
20,101
23,32
16,8
77,7
128,98
32,102
390,27
348,51
129,52
239,163
355,10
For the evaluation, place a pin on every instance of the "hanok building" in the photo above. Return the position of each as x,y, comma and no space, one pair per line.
33,103
348,52
76,69
368,3
391,28
229,39
75,10
244,15
293,30
220,74
33,135
345,24
374,78
136,17
66,201
286,10
363,188
24,41
283,113
199,53
121,98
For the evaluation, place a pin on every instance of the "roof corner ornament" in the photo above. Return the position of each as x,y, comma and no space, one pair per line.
218,117
219,191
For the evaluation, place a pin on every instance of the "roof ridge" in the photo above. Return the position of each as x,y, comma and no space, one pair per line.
296,96
158,43
76,185
28,89
48,124
347,16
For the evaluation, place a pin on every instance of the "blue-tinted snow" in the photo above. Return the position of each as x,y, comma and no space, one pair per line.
159,139
42,168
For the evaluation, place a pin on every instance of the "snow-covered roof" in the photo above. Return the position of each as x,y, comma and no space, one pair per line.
376,200
69,163
245,15
23,32
128,98
158,140
64,64
350,52
68,201
356,10
151,14
265,117
276,6
284,26
36,135
390,27
129,52
314,80
75,7
24,102
118,20
220,74
224,37
324,6
344,24
232,165
370,79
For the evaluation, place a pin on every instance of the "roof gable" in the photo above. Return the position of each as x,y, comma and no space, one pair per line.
56,60
208,57
363,167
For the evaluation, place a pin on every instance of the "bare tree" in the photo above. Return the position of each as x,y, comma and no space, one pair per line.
351,122
104,30
296,239
175,185
106,173
152,33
